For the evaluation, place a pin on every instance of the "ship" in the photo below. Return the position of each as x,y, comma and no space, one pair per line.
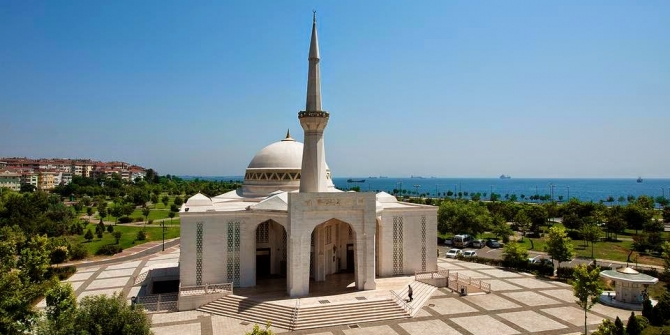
639,179
502,176
355,180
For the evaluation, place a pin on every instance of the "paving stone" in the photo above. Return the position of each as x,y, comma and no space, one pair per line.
612,312
484,325
449,266
88,269
531,298
116,273
499,273
572,315
80,276
532,283
106,283
124,265
471,274
222,325
428,327
421,313
472,265
377,330
562,294
532,321
498,285
176,317
449,306
490,302
189,328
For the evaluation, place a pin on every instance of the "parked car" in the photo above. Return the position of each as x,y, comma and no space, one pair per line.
478,244
463,240
448,242
493,244
469,253
453,253
539,259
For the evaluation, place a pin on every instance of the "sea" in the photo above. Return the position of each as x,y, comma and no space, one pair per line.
560,189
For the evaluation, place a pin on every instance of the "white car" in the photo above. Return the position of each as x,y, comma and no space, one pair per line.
469,253
453,253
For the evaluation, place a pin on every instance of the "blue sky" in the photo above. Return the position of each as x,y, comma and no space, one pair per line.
443,88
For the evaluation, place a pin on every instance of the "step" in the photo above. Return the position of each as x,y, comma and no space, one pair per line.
343,322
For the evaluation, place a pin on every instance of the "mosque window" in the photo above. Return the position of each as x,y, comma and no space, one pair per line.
263,233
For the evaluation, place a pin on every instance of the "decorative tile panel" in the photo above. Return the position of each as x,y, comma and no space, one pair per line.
283,244
423,243
263,232
198,253
397,245
329,235
233,248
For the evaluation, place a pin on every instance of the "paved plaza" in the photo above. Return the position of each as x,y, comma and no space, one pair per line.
519,304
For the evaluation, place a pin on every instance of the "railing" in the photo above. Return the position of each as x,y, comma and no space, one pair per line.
205,289
456,282
294,315
433,278
405,306
158,302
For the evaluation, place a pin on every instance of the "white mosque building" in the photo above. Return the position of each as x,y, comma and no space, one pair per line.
289,221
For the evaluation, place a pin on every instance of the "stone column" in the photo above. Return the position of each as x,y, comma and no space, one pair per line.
297,280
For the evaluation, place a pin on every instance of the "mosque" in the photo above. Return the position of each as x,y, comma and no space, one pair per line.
288,221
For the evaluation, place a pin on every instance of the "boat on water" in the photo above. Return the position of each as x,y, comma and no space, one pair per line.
502,176
355,180
639,179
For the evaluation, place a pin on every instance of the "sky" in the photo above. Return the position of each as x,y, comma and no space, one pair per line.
432,88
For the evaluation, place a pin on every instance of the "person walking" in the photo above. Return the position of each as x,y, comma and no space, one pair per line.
409,293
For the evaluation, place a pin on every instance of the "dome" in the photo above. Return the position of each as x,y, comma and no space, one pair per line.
285,154
276,167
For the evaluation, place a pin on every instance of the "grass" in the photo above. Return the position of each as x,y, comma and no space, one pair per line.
128,237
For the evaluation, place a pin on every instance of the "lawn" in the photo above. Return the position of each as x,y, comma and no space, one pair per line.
128,237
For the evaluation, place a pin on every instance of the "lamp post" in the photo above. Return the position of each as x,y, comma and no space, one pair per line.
400,188
163,229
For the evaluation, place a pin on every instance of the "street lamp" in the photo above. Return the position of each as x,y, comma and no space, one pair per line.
163,229
400,188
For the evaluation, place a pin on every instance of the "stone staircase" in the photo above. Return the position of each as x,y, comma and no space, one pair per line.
421,293
251,311
324,315
348,314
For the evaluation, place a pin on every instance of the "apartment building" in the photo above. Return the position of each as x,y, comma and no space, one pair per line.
10,180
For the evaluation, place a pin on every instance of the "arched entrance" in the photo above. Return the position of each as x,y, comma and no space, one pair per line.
270,251
332,258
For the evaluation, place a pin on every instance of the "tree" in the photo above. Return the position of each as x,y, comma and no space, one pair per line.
165,199
59,254
178,201
500,228
607,327
637,216
104,315
615,221
117,236
666,257
618,327
515,255
523,222
586,287
61,309
116,212
171,215
110,228
35,258
559,245
145,213
633,326
89,235
89,212
591,233
666,214
463,217
258,331
102,212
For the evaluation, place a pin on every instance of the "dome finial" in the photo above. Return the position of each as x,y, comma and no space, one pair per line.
314,17
288,136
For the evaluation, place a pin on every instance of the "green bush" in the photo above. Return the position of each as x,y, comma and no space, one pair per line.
125,219
139,219
141,235
78,251
109,249
63,272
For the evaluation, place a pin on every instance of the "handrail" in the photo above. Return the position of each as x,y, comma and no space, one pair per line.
206,289
294,316
405,306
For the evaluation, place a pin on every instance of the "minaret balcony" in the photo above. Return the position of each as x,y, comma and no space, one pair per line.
304,114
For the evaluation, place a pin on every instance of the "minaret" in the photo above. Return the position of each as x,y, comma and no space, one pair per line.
313,120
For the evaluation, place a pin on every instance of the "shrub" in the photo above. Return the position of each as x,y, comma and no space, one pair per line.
109,249
59,254
89,235
151,222
63,272
98,233
565,272
139,219
125,219
141,235
78,251
110,228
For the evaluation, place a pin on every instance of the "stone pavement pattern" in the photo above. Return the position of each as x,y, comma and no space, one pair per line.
519,304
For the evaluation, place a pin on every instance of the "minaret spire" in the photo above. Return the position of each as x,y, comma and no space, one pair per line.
313,120
314,74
